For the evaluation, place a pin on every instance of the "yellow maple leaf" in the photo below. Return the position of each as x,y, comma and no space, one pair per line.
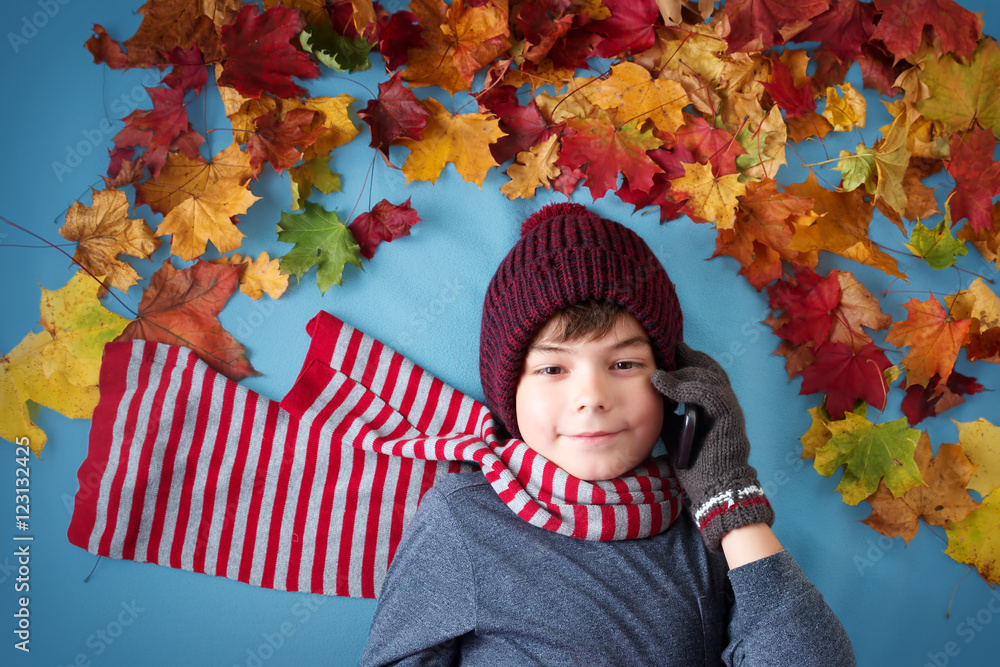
103,231
259,275
533,168
182,177
977,302
818,434
710,197
891,159
980,440
574,102
847,112
462,139
337,122
976,540
58,367
207,216
634,95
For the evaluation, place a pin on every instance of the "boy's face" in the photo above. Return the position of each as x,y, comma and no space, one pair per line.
589,406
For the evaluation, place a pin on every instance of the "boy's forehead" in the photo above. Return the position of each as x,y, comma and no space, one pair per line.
627,330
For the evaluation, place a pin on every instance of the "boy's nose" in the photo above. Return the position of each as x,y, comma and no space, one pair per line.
591,392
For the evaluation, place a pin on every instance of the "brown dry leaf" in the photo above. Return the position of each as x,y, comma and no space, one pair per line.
857,310
103,231
533,168
943,501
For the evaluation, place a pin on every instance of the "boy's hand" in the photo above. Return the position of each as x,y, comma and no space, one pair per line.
722,484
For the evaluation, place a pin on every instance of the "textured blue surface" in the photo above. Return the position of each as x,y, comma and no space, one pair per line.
422,295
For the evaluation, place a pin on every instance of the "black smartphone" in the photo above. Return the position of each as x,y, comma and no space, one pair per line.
688,441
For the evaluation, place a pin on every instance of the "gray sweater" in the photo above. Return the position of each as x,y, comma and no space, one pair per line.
473,583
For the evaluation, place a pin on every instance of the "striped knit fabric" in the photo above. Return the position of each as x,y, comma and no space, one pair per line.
189,470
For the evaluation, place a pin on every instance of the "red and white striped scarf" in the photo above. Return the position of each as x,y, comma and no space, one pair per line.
190,470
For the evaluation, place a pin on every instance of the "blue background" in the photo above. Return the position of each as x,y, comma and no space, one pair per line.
422,295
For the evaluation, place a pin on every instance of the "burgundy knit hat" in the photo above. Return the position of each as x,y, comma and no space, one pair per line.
567,255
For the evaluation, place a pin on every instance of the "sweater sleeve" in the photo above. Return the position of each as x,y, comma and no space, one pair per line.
779,618
427,601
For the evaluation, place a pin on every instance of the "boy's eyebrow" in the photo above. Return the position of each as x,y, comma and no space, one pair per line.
628,342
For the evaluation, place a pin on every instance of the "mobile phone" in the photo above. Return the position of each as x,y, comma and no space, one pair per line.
688,441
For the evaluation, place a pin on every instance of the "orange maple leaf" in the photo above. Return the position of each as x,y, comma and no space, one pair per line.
710,198
934,337
169,24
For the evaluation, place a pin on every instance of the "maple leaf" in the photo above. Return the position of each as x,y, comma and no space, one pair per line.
189,70
460,39
842,227
764,225
182,177
524,125
842,29
260,57
206,216
634,95
354,18
943,499
921,202
602,152
797,101
869,453
757,25
395,113
385,222
106,50
461,139
930,401
321,240
396,34
974,540
258,276
336,51
170,24
338,128
880,169
533,168
629,28
278,139
103,231
844,113
764,145
936,246
715,146
977,177
181,307
163,128
856,311
818,434
846,374
977,302
807,302
315,173
960,93
982,343
987,239
671,162
59,366
902,25
979,442
934,337
711,198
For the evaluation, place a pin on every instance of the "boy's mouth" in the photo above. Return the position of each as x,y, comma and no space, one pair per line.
593,438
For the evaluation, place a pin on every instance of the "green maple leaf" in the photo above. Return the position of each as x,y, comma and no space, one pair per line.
858,169
963,92
936,246
321,240
869,453
339,53
315,173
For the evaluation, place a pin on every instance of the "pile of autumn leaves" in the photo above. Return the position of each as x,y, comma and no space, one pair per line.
693,118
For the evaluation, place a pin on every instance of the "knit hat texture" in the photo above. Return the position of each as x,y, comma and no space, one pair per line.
566,255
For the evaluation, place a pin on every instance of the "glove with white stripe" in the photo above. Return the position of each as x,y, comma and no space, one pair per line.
723,486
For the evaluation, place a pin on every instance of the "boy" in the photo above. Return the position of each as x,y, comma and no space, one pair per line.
580,350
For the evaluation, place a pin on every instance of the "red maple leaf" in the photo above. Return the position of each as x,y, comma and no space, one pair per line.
602,152
385,222
524,125
629,28
189,71
181,307
807,302
842,29
902,24
879,69
670,161
797,102
572,48
977,177
922,402
280,140
395,35
395,113
709,145
757,25
163,128
982,344
106,50
261,57
846,375
542,22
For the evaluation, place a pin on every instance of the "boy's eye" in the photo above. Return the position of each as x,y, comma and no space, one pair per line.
626,365
549,370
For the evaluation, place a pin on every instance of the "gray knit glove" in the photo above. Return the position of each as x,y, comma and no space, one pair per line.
723,486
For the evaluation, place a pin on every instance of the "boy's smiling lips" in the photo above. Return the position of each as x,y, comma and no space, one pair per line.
592,438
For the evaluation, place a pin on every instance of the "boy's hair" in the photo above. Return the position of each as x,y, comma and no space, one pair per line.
568,255
587,320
